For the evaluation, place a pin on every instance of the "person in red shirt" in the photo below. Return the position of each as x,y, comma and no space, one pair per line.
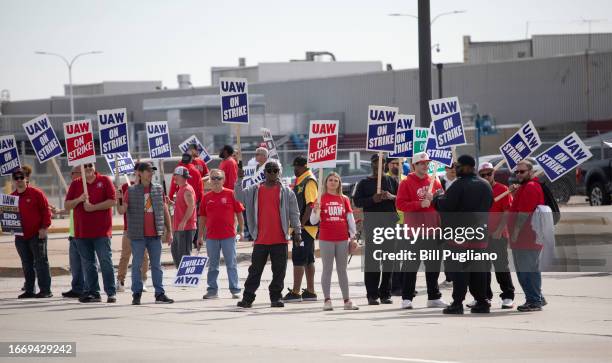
229,166
526,252
93,222
195,179
414,199
197,161
184,221
219,212
498,241
336,226
272,209
32,244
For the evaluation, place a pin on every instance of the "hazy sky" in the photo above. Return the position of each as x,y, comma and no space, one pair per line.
156,40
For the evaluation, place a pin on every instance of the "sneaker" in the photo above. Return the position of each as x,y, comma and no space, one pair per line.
277,304
71,295
235,295
481,308
27,295
474,303
544,302
348,305
453,309
121,286
436,303
373,301
90,299
111,299
445,285
163,299
292,297
308,296
526,307
44,295
136,298
386,300
327,305
406,304
210,295
507,304
244,304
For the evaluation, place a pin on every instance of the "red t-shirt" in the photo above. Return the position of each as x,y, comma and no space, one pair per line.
230,168
334,226
201,166
269,228
526,199
498,208
219,209
149,217
34,211
92,224
410,194
124,188
195,181
180,207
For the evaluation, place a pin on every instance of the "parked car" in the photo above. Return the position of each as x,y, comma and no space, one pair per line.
594,177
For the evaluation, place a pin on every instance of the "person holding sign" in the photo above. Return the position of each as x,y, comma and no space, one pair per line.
76,269
337,225
197,161
93,222
303,258
195,179
218,213
525,251
229,166
148,223
184,216
378,212
32,245
414,199
272,209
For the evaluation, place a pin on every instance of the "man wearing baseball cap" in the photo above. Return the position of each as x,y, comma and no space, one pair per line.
184,216
414,199
498,238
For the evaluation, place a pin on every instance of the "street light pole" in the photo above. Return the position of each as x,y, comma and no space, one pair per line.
69,64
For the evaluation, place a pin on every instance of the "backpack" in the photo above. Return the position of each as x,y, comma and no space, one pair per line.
551,202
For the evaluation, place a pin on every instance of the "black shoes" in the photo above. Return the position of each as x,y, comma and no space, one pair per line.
373,301
27,295
90,299
163,299
291,297
244,304
386,300
44,295
481,308
526,307
277,304
308,296
453,309
71,295
111,299
136,298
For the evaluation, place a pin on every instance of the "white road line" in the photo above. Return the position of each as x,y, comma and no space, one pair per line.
414,360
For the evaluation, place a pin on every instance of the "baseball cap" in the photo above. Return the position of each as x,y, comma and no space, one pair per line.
142,166
182,171
485,166
419,157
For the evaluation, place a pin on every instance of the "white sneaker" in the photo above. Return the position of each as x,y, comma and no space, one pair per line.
144,287
507,304
327,305
120,286
235,295
437,303
406,304
349,306
445,284
210,295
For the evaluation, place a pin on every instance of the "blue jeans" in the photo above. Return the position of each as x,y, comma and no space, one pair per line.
214,248
154,247
34,262
527,264
76,269
88,249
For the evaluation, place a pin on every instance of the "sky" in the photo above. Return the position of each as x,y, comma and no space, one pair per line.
156,40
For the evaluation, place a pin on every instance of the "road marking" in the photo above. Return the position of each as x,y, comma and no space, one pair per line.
414,360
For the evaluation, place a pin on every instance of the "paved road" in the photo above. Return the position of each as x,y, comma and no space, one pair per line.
576,326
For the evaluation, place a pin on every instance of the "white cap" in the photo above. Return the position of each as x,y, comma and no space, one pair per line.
485,166
418,157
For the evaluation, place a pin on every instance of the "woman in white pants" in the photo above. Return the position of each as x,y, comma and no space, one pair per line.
337,224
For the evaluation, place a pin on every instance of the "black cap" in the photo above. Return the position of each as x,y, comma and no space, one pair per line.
186,158
142,166
466,160
18,171
300,161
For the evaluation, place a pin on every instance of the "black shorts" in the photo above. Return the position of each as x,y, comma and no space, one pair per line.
304,255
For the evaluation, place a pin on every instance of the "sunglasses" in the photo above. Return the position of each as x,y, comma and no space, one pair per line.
272,171
484,175
19,177
520,172
216,178
87,166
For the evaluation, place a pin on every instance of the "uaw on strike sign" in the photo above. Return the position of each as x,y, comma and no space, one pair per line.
113,131
79,142
563,156
322,144
43,138
447,122
234,100
381,128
